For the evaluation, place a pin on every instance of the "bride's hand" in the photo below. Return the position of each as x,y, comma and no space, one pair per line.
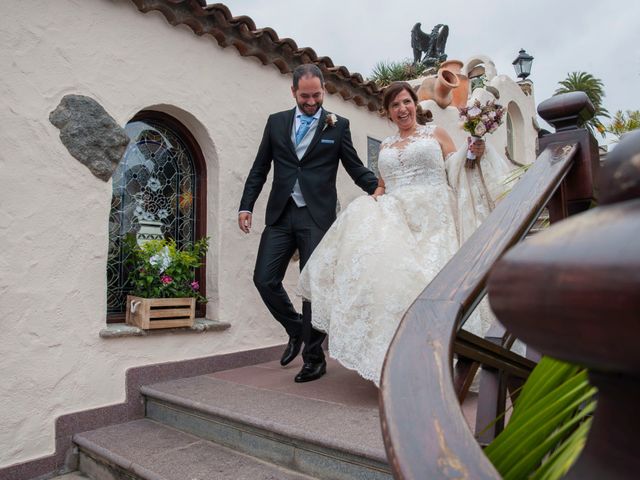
378,193
476,147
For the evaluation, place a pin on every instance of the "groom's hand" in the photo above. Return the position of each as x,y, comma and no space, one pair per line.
244,221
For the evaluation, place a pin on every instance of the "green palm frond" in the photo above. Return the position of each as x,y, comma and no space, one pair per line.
549,424
624,122
385,73
594,88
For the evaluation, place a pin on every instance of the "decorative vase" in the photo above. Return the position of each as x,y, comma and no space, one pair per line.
439,88
460,94
149,230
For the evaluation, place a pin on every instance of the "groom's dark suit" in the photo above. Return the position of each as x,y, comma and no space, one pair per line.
289,227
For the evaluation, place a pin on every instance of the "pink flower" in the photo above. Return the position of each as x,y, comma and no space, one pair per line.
474,111
166,279
195,285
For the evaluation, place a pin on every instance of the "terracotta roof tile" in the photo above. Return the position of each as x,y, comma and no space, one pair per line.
264,44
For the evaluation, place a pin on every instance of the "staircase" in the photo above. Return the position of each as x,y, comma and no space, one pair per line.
253,423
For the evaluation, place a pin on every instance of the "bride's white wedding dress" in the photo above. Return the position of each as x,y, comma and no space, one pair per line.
379,255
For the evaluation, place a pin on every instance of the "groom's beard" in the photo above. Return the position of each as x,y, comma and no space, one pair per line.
310,110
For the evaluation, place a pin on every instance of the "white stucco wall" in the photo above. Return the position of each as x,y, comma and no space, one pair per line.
54,212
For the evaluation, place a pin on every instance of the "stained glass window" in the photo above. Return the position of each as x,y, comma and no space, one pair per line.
154,188
373,148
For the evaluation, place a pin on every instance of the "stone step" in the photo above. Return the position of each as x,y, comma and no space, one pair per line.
71,476
145,449
328,428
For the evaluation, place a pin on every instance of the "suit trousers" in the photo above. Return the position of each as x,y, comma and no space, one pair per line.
295,229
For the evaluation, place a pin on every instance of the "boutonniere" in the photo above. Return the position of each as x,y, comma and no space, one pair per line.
330,120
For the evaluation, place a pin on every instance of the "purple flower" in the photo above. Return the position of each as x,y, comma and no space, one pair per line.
195,285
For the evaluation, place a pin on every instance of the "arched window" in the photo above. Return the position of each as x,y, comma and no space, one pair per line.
159,184
510,140
515,133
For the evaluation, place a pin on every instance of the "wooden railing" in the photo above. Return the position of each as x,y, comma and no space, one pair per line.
582,305
425,433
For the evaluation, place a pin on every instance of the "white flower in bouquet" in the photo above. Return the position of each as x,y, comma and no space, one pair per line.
474,111
480,130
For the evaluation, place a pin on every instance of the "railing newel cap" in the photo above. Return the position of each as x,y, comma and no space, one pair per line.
567,111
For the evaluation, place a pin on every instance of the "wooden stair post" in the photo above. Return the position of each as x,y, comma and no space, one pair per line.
582,305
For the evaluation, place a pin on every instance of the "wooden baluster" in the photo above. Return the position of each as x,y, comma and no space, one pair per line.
582,305
492,394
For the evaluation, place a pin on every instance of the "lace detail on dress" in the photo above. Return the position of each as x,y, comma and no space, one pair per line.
378,256
415,160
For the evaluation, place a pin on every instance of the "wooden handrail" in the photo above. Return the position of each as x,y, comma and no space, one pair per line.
583,306
424,431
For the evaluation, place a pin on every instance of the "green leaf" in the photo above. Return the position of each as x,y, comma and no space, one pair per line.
547,428
564,457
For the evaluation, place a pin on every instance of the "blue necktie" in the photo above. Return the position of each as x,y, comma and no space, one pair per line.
305,123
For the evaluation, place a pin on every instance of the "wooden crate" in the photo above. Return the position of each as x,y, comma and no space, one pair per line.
149,313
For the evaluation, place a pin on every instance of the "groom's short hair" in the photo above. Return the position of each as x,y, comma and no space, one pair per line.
306,70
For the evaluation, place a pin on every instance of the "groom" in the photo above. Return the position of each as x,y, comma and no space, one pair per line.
304,145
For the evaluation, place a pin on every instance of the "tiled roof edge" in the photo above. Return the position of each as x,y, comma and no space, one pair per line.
264,44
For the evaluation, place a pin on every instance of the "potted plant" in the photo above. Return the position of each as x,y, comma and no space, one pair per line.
165,290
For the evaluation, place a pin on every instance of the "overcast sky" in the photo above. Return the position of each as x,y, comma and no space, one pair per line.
599,37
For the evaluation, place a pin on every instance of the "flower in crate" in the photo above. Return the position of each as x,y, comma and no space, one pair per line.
161,260
160,269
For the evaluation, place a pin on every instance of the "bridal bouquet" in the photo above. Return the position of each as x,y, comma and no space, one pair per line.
479,120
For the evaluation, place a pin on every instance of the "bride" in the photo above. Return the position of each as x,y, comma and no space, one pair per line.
383,250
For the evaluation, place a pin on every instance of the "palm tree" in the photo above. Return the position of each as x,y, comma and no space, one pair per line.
594,88
624,122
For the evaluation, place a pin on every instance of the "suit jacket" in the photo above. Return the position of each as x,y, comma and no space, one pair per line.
316,171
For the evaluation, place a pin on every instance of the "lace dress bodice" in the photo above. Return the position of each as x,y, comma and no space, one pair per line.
415,160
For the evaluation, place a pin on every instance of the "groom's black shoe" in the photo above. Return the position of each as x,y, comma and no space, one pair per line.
311,371
292,350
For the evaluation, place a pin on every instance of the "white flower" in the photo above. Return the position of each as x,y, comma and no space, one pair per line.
141,214
154,184
330,120
480,129
162,260
163,213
